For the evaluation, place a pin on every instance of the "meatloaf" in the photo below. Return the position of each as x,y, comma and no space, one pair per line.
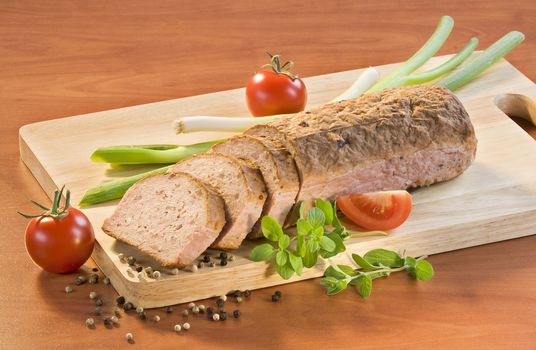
171,217
395,139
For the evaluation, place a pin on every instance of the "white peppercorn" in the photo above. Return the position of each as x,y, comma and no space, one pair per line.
90,322
156,274
216,317
191,306
186,326
68,289
114,319
129,336
106,281
177,328
156,318
92,295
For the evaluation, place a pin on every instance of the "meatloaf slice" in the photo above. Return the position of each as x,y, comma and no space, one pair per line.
395,139
281,184
239,184
170,217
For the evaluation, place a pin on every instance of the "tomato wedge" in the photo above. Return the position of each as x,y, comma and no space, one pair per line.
378,210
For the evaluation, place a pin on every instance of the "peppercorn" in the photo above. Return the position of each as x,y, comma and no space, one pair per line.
236,313
195,310
206,258
231,257
275,298
99,302
129,337
94,279
177,328
212,264
202,308
114,319
216,317
223,255
278,293
186,326
98,310
200,264
79,280
193,268
142,315
210,310
106,321
139,310
90,323
92,295
224,297
175,271
220,302
156,274
68,289
117,312
237,294
149,270
223,262
120,300
156,318
131,260
247,293
238,300
223,315
128,306
139,268
106,281
169,309
185,312
191,306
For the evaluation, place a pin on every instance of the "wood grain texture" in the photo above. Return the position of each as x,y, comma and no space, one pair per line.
498,188
73,57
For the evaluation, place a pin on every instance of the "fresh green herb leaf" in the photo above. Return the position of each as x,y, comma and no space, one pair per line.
262,252
303,227
281,257
423,271
336,222
301,248
313,246
296,263
327,244
316,218
410,261
384,257
333,285
339,244
310,258
345,271
326,208
364,285
364,264
285,271
318,233
284,241
271,229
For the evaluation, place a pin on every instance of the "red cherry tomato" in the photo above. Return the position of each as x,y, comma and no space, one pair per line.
377,211
275,91
60,242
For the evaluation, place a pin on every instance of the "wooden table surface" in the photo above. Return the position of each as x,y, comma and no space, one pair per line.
66,58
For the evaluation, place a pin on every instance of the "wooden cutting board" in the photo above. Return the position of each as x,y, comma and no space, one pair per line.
494,200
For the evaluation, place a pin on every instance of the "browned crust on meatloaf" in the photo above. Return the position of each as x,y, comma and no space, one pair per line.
214,209
340,138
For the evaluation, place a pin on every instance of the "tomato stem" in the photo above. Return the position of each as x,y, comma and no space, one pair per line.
56,211
275,65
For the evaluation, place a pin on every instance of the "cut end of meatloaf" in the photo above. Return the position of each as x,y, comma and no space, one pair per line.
173,218
240,186
281,183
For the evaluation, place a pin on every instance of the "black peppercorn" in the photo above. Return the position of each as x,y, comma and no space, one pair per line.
210,310
220,302
169,309
131,260
237,293
206,258
236,313
128,306
278,293
79,280
142,315
106,321
139,268
120,300
223,262
247,293
223,315
223,255
98,302
93,279
275,298
304,124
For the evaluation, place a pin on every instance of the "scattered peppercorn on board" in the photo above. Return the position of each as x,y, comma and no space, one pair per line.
494,200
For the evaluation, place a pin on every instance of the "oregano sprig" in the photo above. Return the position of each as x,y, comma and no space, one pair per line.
374,264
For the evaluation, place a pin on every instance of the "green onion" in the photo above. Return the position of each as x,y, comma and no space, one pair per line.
429,49
115,189
470,70
149,154
446,67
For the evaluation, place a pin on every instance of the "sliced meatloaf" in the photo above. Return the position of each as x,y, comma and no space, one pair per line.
281,180
395,139
171,217
239,184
